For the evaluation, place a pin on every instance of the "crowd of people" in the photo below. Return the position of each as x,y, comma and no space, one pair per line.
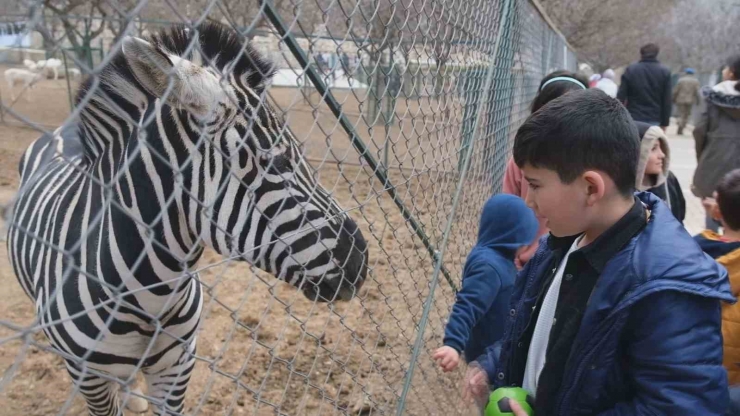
584,289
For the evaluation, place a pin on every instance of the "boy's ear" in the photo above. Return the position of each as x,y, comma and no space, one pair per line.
716,214
595,186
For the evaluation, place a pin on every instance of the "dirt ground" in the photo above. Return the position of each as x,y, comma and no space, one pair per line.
262,347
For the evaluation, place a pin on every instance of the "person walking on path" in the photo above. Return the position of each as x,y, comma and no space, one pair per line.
646,89
717,135
685,96
607,84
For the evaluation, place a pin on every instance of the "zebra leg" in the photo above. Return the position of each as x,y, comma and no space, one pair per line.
167,383
100,394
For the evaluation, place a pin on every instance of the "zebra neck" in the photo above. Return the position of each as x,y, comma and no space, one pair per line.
143,148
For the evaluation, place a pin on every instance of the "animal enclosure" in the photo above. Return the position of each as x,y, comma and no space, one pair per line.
403,112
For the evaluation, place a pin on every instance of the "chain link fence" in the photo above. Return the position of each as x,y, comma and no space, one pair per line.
322,219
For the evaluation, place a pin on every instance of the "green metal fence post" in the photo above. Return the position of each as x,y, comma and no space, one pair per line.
487,88
501,100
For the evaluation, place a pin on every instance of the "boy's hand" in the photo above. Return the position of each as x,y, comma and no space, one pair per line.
447,358
518,263
516,408
475,386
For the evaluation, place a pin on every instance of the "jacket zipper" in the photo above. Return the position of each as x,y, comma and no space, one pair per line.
515,343
591,349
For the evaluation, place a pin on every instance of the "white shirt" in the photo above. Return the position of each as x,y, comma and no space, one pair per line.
545,320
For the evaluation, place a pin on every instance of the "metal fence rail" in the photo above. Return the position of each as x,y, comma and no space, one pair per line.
403,111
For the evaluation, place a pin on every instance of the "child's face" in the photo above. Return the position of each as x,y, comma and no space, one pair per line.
655,160
564,206
727,74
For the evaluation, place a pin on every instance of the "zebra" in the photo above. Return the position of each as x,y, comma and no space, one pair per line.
173,151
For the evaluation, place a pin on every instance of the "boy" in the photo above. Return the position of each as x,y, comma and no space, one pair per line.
507,226
617,313
725,249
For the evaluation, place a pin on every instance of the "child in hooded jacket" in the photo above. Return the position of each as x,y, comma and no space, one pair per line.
725,249
507,226
653,169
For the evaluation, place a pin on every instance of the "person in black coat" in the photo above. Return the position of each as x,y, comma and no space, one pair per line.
646,89
653,174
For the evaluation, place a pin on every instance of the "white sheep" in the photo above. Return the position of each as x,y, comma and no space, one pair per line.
24,77
31,65
50,66
72,73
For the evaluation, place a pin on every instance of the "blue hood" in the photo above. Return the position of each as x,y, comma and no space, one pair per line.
506,224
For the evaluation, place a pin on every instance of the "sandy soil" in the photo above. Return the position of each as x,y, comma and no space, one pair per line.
263,348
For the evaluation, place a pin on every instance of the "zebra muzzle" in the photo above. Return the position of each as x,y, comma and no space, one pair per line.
351,257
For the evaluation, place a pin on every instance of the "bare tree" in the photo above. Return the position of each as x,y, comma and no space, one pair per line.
609,34
689,32
704,34
82,21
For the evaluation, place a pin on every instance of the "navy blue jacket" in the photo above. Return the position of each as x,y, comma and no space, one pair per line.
477,318
646,90
649,341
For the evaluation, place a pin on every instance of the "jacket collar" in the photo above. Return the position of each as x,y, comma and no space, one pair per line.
661,257
649,59
609,243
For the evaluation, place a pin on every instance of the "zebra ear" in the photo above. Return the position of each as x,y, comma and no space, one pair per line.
193,88
151,67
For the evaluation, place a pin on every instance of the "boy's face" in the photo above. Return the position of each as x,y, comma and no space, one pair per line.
563,205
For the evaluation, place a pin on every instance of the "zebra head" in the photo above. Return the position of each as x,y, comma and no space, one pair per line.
250,193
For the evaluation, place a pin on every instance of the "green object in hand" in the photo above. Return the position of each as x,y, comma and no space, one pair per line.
498,401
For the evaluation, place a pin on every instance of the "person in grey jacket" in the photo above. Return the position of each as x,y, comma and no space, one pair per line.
717,134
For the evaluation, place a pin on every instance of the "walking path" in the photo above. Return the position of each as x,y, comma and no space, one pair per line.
683,164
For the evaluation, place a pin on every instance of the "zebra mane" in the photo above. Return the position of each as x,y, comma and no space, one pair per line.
220,45
217,46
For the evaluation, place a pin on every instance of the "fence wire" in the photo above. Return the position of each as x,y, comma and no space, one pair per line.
250,207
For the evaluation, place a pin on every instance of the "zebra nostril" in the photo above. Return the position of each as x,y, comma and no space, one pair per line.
351,258
352,255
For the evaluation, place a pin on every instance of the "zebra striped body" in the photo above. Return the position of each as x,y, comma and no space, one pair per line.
115,210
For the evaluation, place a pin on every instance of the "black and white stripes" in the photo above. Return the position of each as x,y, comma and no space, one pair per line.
175,150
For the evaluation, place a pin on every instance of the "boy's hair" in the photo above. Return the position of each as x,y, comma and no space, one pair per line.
650,50
580,131
728,199
555,89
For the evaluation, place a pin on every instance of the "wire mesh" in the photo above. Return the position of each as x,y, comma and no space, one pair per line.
265,225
